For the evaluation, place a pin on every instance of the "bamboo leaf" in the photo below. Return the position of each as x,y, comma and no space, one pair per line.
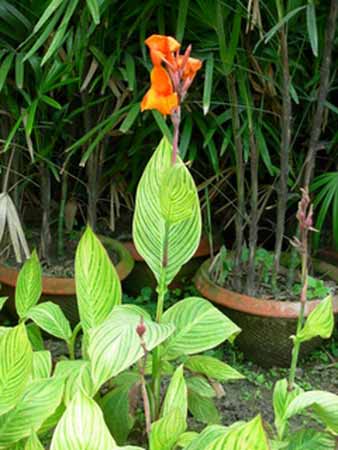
270,34
209,69
311,23
181,19
5,68
51,8
94,9
130,118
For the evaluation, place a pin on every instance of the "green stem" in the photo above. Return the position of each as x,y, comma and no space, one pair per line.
72,341
297,342
161,290
61,219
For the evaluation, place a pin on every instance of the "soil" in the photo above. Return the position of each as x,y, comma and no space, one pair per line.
59,267
264,290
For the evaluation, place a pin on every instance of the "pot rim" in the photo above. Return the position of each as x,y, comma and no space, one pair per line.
66,286
251,305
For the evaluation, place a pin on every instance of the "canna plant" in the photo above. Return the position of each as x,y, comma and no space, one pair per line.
89,402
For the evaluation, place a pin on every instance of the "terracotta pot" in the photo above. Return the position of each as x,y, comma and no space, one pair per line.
142,276
266,324
62,290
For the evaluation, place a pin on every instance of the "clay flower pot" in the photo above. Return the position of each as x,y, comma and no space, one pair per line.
62,290
266,324
142,276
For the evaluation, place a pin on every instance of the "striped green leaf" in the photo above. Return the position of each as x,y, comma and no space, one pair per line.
177,199
166,431
311,440
98,287
114,346
323,404
77,376
50,318
33,443
247,436
282,397
320,321
199,327
4,330
115,406
212,368
42,365
29,285
15,366
176,395
201,386
208,435
35,337
203,408
82,426
39,401
156,226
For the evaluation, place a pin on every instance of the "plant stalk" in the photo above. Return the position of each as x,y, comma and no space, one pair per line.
240,176
282,195
322,93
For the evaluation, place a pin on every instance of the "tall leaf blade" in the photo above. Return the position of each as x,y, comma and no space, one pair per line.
98,287
29,286
176,395
312,26
152,233
320,321
82,426
94,9
15,366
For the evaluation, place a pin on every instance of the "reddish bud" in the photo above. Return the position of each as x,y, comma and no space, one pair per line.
141,328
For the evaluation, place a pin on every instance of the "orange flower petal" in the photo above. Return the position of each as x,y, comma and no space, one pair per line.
190,68
160,81
161,47
163,103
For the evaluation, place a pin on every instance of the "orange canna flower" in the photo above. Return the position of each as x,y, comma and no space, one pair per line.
161,95
190,68
161,48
